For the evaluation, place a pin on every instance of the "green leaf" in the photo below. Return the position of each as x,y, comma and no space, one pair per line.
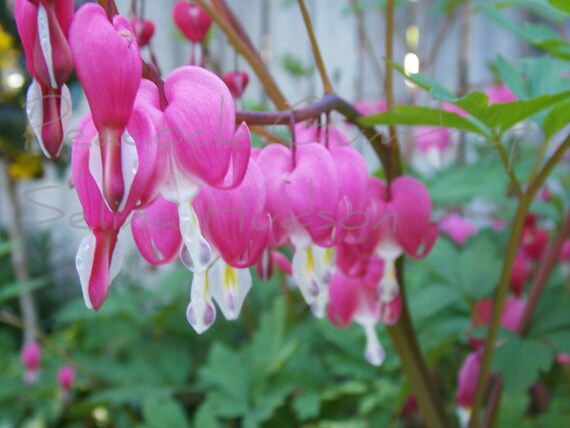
206,417
563,5
479,268
506,115
227,385
557,118
425,116
12,291
7,247
521,361
460,184
560,340
159,413
307,405
550,315
512,78
432,299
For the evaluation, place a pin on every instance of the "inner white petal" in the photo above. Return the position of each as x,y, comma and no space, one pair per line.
129,165
45,42
199,253
84,265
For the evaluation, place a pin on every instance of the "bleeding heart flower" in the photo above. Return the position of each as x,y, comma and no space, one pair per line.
402,224
356,299
66,377
535,239
237,226
521,272
467,384
31,358
457,228
510,318
110,89
43,27
500,94
201,146
237,82
99,258
143,29
193,21
156,232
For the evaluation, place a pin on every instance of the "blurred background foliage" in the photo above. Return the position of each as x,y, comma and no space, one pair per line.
139,364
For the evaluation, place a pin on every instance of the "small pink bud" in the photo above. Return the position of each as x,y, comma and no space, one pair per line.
66,377
500,94
457,228
237,82
192,20
520,274
534,242
565,251
31,358
143,29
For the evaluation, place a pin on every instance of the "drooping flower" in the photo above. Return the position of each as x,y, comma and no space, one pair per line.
109,67
401,224
237,82
534,239
510,318
193,21
356,299
143,29
457,228
467,385
270,259
31,358
500,94
156,232
565,251
66,377
200,147
98,259
237,225
520,274
307,214
43,26
433,149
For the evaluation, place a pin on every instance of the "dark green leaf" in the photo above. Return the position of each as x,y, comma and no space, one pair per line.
12,291
159,413
521,361
479,267
563,5
558,118
417,115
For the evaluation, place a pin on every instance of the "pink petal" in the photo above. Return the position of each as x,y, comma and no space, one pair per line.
192,20
156,232
312,192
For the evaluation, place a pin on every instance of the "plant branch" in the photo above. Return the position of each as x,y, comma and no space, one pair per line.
316,50
395,164
18,259
509,169
251,56
327,103
503,287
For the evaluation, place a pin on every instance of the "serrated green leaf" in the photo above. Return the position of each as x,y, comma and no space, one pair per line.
557,118
421,116
432,299
563,5
13,290
159,413
512,78
479,267
520,361
560,340
205,416
307,405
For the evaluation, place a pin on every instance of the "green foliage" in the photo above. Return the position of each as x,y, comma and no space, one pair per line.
521,361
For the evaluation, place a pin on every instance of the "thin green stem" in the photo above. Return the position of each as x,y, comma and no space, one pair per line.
316,50
504,282
509,168
395,165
